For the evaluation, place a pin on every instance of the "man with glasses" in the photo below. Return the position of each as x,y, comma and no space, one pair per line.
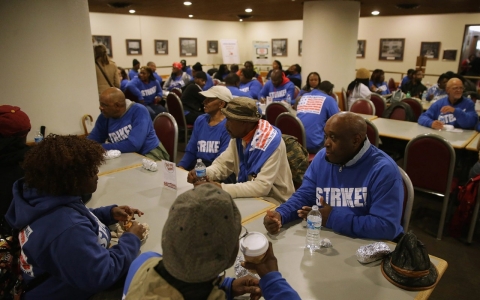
454,109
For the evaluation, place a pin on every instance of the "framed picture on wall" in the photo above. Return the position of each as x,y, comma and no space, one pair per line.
449,55
430,49
279,47
391,49
161,47
105,40
300,47
134,47
361,46
188,46
212,47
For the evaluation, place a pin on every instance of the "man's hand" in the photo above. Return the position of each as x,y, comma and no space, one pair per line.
246,285
137,229
437,125
262,100
192,176
272,222
302,213
429,97
157,99
121,213
447,109
267,265
325,211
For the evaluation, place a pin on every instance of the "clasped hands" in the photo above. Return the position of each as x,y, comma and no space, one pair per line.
127,213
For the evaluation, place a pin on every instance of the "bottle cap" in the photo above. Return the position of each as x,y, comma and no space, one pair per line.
254,244
315,207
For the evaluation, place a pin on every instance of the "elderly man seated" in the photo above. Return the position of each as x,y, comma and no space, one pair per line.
358,186
454,109
126,126
256,154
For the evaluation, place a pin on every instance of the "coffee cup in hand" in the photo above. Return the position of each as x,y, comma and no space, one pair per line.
254,246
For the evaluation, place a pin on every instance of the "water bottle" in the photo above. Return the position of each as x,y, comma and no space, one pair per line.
38,137
201,170
314,225
424,95
408,95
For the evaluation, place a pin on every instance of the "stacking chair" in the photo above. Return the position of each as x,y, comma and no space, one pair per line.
408,197
273,110
392,86
175,108
177,92
292,125
166,130
344,100
399,111
379,103
429,161
297,91
363,106
416,107
372,133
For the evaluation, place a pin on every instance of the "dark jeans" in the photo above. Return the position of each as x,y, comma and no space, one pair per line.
154,109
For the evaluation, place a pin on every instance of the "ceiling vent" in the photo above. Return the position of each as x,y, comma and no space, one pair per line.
119,4
408,6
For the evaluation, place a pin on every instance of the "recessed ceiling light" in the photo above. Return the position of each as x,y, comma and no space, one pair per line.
248,10
190,16
241,20
132,11
375,12
187,3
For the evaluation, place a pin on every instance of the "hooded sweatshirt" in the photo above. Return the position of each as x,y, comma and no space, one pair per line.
62,237
285,91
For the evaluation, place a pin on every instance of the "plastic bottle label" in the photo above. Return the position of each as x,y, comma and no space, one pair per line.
38,139
201,172
313,225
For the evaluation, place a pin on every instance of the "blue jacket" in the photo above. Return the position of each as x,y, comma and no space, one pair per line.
158,78
238,93
133,132
273,286
314,109
464,115
285,90
379,85
123,84
132,74
366,194
145,91
208,83
61,236
207,142
253,87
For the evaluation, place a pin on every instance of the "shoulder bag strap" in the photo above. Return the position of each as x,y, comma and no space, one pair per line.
104,75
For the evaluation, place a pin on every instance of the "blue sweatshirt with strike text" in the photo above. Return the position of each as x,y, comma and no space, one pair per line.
207,142
366,194
283,92
62,237
464,115
253,87
314,109
145,91
132,132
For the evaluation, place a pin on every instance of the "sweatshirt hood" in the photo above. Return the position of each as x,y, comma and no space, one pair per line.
284,79
28,205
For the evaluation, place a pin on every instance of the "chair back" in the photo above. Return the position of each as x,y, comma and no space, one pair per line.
273,110
408,197
175,108
297,91
392,86
344,100
291,125
363,106
416,107
399,111
177,92
429,161
379,103
372,133
166,130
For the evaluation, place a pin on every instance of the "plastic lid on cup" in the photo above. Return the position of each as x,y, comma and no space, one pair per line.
254,244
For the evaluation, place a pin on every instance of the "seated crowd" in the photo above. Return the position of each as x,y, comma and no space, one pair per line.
357,186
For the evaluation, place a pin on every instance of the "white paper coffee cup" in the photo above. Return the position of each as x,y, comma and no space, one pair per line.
254,246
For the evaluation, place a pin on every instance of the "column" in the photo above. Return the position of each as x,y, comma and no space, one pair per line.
330,30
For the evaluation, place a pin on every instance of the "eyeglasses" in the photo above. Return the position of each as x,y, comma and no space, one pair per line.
457,88
243,233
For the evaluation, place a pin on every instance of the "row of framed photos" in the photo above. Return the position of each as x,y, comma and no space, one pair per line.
188,46
393,49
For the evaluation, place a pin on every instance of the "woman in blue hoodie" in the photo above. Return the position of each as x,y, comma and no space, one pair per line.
65,246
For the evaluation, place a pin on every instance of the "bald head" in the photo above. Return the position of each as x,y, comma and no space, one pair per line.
345,134
277,77
112,103
454,90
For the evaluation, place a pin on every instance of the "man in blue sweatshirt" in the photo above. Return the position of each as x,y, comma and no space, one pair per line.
248,83
232,81
199,68
126,126
280,88
134,71
358,186
200,240
454,109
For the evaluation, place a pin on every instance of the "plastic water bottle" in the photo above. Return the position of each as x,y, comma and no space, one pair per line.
408,95
314,225
38,137
424,95
201,170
